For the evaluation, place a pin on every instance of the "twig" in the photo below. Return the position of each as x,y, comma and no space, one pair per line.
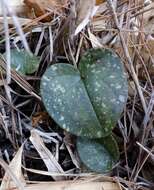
51,43
78,49
39,41
72,55
145,149
145,159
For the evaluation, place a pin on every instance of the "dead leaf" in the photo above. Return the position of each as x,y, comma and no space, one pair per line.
86,10
98,2
99,22
78,185
20,10
94,41
39,117
16,6
48,158
15,166
40,7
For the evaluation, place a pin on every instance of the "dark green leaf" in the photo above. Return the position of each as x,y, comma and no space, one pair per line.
23,62
67,101
106,84
98,155
90,103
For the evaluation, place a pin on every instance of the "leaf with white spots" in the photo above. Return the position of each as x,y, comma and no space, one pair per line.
86,103
66,99
106,83
23,62
98,155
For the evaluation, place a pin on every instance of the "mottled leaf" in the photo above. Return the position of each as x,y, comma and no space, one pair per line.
87,103
67,101
98,155
23,62
106,84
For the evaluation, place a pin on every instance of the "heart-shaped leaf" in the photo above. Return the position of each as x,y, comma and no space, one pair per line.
98,155
23,62
86,103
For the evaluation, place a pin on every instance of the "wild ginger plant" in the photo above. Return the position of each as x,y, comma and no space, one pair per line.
87,102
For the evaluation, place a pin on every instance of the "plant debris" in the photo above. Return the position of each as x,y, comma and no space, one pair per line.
34,149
